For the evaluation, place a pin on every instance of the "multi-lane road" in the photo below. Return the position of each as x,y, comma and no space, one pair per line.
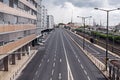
61,59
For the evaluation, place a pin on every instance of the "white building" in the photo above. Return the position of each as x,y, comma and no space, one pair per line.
44,17
50,21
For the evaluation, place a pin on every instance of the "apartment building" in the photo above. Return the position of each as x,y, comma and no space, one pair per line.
50,21
43,17
20,26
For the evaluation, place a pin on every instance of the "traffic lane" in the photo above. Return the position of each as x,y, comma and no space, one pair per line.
55,65
89,49
99,53
47,72
60,71
77,71
29,71
88,67
88,46
80,41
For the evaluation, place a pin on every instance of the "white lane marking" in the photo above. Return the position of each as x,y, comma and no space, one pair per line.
42,60
54,59
48,60
55,55
54,64
44,56
50,78
82,66
70,75
60,76
36,73
55,51
52,72
85,72
60,60
78,60
39,65
88,77
76,56
37,76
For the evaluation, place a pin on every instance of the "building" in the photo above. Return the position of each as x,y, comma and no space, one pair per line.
43,17
50,21
117,27
20,26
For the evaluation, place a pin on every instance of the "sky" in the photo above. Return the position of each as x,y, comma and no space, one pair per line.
65,10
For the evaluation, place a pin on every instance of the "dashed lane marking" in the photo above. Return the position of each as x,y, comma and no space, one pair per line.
88,77
52,72
60,76
36,73
54,64
48,60
54,59
82,66
85,72
78,60
50,78
60,60
39,65
42,60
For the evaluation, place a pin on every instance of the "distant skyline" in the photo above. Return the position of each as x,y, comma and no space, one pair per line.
63,10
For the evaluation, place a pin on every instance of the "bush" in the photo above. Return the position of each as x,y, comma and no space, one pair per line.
102,35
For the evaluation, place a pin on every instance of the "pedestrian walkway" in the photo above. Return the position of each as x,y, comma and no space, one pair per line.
14,70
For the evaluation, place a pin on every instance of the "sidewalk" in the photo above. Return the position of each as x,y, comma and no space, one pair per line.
15,70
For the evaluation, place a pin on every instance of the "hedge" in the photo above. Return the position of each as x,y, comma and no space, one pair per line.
101,35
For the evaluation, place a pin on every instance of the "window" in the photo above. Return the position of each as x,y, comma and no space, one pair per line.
1,0
6,2
11,3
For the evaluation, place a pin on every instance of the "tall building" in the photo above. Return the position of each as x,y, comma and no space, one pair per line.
50,21
20,26
44,17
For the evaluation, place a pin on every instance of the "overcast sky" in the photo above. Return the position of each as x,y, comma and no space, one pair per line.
63,10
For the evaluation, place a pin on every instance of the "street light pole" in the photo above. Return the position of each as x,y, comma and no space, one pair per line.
83,19
107,41
106,61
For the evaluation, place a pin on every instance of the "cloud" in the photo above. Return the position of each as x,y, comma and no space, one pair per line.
81,3
114,2
62,10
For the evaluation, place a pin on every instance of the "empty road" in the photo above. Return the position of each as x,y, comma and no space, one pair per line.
60,59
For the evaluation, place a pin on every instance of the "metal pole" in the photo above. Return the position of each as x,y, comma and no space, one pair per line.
84,34
113,42
107,40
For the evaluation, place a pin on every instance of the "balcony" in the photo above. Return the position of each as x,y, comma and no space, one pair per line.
28,4
17,27
8,10
12,46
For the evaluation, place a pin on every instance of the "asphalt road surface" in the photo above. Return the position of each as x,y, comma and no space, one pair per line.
60,59
89,47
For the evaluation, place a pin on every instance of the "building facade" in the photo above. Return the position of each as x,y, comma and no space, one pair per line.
50,21
20,26
43,17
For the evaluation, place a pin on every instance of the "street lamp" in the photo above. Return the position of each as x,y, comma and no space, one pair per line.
107,31
84,18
